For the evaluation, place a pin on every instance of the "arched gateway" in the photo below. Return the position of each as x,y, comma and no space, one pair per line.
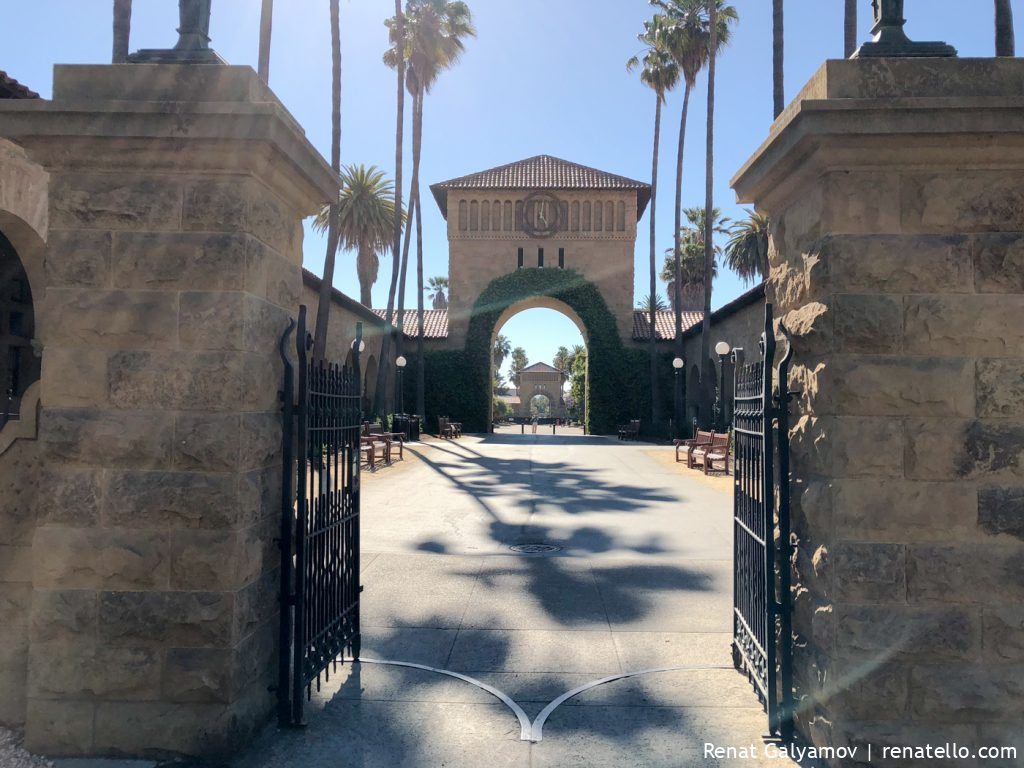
541,232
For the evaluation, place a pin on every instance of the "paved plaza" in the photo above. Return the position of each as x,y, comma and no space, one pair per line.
642,580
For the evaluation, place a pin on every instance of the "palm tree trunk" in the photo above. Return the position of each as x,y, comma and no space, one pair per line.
677,265
655,400
709,223
365,279
266,29
323,309
1005,39
414,211
122,30
778,57
850,28
383,372
417,149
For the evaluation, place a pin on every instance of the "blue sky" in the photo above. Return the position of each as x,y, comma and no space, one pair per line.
543,76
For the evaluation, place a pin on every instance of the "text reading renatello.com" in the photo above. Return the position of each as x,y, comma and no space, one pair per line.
794,752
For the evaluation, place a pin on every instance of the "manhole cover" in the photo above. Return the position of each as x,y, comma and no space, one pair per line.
534,549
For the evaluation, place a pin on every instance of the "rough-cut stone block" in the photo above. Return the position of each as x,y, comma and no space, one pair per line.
271,221
885,737
207,442
983,325
866,385
216,206
13,698
110,319
899,510
984,574
872,324
948,449
898,265
200,675
261,440
1004,633
78,258
963,202
15,600
1004,736
94,558
867,446
1000,388
15,564
870,685
160,729
214,560
176,380
939,633
108,438
83,671
63,616
1001,511
59,728
69,496
262,375
171,500
259,494
212,320
79,201
256,604
999,263
870,572
196,261
964,693
862,203
74,378
264,324
166,619
812,327
20,466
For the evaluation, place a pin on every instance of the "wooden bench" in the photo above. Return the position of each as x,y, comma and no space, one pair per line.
444,428
719,444
686,446
630,431
375,443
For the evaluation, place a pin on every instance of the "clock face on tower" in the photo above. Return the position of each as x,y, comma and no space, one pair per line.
542,215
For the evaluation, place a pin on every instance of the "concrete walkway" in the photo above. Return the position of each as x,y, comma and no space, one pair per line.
642,580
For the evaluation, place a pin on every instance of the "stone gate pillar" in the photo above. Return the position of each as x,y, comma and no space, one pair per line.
173,262
895,188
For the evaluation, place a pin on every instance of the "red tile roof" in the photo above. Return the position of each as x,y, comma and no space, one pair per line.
541,368
12,89
435,323
543,172
664,324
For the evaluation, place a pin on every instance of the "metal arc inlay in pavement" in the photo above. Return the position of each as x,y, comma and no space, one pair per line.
534,731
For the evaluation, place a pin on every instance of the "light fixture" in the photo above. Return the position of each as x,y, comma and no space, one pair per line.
723,348
400,361
362,345
678,363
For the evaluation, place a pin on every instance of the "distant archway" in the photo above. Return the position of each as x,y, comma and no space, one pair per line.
19,364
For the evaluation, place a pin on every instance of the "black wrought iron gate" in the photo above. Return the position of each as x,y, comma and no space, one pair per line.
762,645
319,520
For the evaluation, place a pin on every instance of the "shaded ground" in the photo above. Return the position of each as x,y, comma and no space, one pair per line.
642,580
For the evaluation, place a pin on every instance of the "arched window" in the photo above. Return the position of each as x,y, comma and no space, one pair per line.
485,216
507,218
620,217
463,215
574,223
519,215
474,216
496,215
586,216
563,215
598,217
609,216
19,366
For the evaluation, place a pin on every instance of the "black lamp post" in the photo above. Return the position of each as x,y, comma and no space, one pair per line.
890,40
677,418
722,349
400,363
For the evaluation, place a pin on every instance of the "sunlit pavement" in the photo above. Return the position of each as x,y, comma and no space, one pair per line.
641,580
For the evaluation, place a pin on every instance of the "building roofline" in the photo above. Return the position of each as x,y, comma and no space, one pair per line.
742,301
346,302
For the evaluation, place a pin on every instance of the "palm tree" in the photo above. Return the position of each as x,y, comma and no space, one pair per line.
688,38
653,305
266,28
439,285
561,359
1005,40
709,220
323,309
660,73
433,40
519,361
778,57
747,250
502,349
122,30
384,371
365,214
850,28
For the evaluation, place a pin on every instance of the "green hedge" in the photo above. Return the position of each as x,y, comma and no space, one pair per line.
458,383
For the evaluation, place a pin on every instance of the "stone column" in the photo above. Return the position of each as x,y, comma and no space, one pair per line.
173,263
896,193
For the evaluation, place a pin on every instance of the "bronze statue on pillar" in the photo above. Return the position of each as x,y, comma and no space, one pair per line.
891,41
193,45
